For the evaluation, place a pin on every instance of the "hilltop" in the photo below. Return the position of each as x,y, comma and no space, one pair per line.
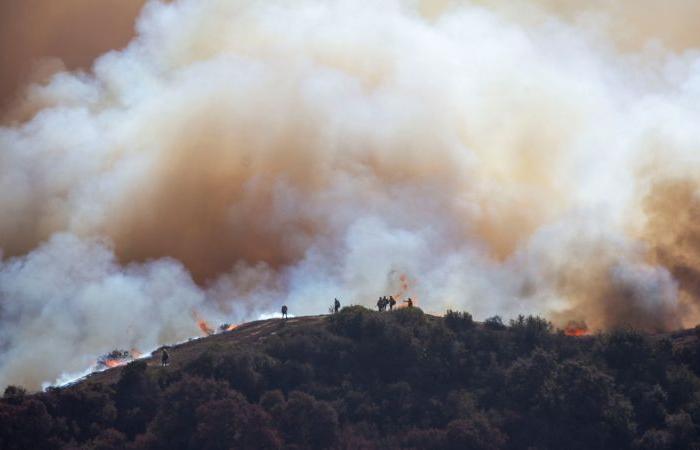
362,379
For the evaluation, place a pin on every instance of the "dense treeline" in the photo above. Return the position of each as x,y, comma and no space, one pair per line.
386,380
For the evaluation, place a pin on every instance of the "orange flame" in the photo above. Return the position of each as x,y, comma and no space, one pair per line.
202,324
114,362
576,328
231,327
117,358
403,287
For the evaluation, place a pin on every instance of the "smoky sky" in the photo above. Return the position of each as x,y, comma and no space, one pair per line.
532,157
39,37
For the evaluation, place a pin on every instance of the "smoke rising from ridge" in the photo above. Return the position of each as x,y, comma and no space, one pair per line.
238,155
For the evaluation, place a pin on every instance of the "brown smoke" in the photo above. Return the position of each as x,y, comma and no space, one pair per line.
210,202
37,37
629,24
672,207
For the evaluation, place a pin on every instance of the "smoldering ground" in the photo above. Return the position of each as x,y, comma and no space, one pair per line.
238,155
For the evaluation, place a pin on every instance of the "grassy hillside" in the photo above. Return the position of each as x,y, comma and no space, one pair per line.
362,379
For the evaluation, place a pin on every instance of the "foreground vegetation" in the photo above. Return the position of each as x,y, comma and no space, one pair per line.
363,380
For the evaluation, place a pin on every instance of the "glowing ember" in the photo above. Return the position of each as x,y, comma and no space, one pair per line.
576,328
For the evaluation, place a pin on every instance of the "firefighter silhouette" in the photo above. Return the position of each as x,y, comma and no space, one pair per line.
164,358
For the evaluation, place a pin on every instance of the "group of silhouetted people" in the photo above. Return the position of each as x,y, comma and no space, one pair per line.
385,301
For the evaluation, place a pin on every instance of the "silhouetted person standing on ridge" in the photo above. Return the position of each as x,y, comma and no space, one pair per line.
284,311
409,302
336,305
392,303
164,358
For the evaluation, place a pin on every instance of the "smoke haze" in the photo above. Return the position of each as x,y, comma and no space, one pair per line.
506,157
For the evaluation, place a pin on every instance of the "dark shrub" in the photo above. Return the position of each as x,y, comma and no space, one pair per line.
176,421
475,433
494,323
307,422
136,398
458,321
232,422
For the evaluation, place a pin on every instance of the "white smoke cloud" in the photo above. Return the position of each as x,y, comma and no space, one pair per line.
291,152
69,299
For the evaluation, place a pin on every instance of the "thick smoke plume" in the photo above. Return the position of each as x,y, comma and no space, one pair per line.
503,157
39,37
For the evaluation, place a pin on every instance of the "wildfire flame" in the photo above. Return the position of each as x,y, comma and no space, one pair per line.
224,327
202,324
118,358
576,328
403,287
114,362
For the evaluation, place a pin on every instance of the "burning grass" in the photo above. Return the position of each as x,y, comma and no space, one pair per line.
576,328
117,358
